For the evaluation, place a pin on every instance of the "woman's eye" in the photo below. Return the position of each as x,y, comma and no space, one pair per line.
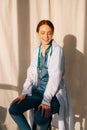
50,33
42,33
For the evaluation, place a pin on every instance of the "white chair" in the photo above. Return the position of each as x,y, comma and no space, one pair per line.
54,122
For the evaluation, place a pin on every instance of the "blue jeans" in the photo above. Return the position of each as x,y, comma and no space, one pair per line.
16,111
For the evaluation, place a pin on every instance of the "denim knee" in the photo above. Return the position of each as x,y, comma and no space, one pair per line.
39,119
13,110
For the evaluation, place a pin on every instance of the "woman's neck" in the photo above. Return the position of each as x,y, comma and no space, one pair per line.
44,47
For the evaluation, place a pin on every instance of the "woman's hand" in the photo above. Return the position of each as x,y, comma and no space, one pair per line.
45,110
18,99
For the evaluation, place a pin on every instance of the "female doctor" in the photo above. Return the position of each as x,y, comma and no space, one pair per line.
44,88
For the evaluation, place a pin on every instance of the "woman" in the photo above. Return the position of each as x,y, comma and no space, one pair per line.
44,88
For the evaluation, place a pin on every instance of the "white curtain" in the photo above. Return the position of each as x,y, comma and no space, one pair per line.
18,39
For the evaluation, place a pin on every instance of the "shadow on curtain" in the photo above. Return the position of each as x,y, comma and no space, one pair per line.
74,61
3,113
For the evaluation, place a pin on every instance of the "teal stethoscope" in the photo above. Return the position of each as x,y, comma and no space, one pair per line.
39,53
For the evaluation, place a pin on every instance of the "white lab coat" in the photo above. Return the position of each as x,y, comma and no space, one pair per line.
55,86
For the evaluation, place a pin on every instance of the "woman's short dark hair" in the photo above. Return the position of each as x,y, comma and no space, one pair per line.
47,22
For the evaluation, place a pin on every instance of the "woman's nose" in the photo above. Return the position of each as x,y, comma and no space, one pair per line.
46,35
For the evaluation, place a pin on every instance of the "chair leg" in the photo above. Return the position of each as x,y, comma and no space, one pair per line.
49,128
34,126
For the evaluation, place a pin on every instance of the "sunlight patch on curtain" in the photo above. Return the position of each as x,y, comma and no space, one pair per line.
8,43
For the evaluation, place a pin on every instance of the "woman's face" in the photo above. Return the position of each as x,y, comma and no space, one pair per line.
45,34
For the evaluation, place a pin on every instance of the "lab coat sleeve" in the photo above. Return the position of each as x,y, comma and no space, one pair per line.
29,81
55,70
